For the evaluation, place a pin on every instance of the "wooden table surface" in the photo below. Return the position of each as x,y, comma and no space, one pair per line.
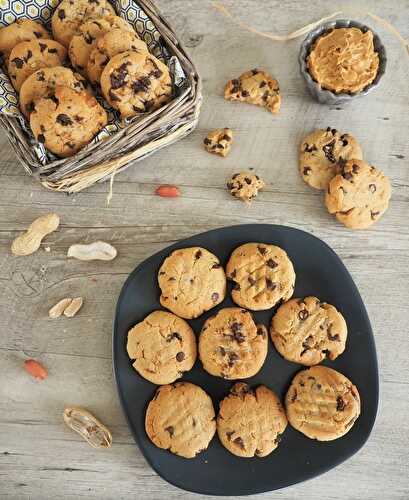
39,457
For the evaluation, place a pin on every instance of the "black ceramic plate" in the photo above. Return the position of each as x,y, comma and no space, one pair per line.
319,272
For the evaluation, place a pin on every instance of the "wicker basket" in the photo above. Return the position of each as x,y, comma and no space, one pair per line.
100,162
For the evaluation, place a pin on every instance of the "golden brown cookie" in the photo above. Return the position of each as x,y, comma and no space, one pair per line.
307,331
322,403
43,83
262,275
359,195
255,87
109,45
245,186
85,39
192,281
67,121
162,347
219,141
180,418
320,154
135,83
231,345
344,60
69,15
251,421
28,57
22,30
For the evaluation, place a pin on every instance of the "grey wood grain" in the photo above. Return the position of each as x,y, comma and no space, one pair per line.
39,457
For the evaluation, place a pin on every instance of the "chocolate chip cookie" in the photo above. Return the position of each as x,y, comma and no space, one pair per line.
262,275
67,120
69,16
245,186
219,141
359,195
322,403
162,347
109,45
251,421
231,345
28,57
22,30
43,83
192,281
307,331
321,153
135,83
255,87
180,418
85,40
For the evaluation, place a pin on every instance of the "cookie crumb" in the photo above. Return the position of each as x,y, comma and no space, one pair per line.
219,141
245,186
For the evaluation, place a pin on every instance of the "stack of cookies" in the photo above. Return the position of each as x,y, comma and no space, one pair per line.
356,193
103,49
232,346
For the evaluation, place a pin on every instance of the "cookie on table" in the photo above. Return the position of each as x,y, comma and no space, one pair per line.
67,120
263,275
69,15
359,195
251,421
85,40
109,45
322,403
135,83
28,57
307,331
231,345
245,186
22,30
219,141
321,153
162,347
43,83
180,418
192,281
255,87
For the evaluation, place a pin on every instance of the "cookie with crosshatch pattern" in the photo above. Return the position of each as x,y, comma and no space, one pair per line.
262,276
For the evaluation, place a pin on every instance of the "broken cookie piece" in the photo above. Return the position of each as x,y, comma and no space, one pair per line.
255,87
219,141
245,186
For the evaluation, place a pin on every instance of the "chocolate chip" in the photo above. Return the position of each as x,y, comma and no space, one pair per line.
278,438
18,62
262,250
271,263
345,142
229,434
236,286
340,404
261,331
53,51
372,188
53,98
41,138
355,168
141,85
334,131
118,77
333,338
30,107
226,138
294,396
38,34
258,452
270,284
113,97
207,141
64,120
329,151
156,73
307,171
43,46
215,297
172,336
262,84
222,350
255,71
61,14
216,266
88,38
347,175
170,429
239,441
266,95
28,56
233,274
245,93
328,129
198,254
303,314
251,280
374,215
247,180
233,357
180,356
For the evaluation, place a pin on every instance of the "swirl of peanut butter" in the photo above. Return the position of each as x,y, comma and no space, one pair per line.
344,60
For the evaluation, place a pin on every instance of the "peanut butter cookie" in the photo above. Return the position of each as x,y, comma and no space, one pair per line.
322,403
251,421
192,281
262,275
162,347
307,331
180,418
231,345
